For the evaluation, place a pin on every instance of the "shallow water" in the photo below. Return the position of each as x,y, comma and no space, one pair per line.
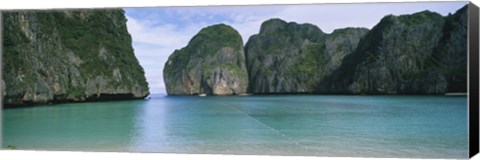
310,125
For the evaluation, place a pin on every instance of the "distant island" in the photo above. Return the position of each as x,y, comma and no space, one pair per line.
421,53
69,56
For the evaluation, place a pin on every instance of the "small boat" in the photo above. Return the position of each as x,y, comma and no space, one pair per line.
202,95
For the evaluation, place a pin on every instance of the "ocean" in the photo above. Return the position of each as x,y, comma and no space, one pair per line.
306,125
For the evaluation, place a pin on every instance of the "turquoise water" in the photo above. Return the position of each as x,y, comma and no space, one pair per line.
353,126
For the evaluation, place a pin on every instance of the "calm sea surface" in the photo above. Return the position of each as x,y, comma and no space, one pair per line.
353,126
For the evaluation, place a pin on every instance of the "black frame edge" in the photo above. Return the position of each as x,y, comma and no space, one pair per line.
1,78
473,43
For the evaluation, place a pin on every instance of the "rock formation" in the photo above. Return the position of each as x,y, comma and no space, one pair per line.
59,56
212,63
293,58
404,54
420,53
450,55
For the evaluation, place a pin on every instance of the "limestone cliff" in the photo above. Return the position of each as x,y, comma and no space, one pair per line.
59,56
293,58
212,63
450,55
420,53
407,54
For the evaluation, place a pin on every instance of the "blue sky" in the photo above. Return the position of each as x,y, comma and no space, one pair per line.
157,32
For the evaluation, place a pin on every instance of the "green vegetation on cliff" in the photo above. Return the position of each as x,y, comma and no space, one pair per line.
420,53
450,54
398,56
206,43
213,62
293,58
55,56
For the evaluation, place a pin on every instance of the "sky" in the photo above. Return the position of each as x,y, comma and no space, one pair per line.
157,32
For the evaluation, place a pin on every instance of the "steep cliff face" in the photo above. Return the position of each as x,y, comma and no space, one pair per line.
58,56
394,57
339,44
450,55
212,63
420,53
293,58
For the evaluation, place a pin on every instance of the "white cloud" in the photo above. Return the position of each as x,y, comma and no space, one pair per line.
165,35
153,45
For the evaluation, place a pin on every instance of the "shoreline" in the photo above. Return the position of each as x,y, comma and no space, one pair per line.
320,94
33,104
456,94
87,100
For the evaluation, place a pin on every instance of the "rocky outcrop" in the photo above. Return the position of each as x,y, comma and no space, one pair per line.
420,53
212,63
340,43
450,54
293,58
59,56
401,55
